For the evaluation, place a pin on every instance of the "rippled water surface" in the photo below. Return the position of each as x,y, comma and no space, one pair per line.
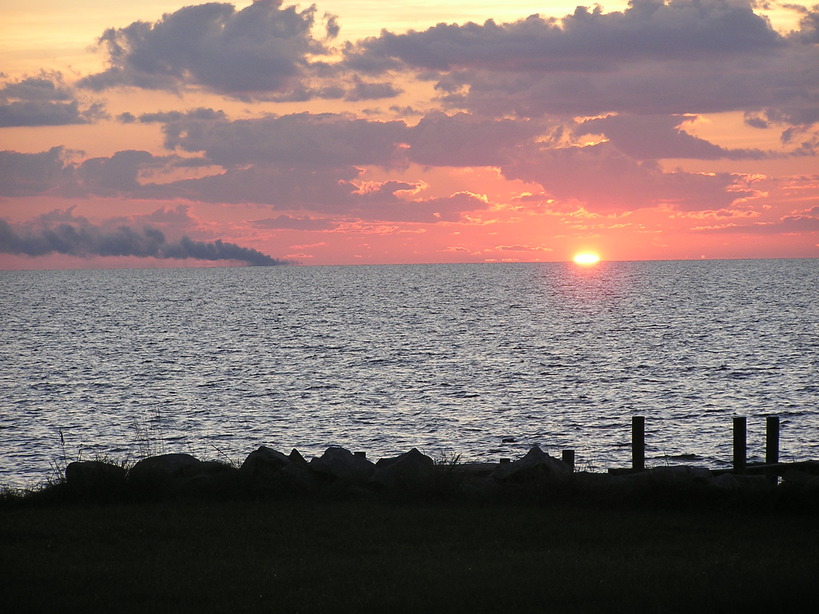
451,359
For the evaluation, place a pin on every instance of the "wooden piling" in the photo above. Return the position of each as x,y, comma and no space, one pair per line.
568,458
638,443
772,448
771,440
740,446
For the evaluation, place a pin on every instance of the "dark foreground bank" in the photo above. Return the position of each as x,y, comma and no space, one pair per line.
341,534
365,555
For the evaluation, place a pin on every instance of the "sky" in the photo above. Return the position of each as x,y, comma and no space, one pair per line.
162,133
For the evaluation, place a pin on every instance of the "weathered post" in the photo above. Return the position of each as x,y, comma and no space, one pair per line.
568,458
740,449
638,443
772,448
771,440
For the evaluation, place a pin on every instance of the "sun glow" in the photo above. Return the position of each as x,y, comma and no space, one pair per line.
586,258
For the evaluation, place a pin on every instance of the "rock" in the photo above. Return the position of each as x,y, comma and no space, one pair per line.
296,457
535,466
163,470
94,477
271,471
264,462
408,472
340,464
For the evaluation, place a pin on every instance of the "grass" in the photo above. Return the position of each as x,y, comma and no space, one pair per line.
379,556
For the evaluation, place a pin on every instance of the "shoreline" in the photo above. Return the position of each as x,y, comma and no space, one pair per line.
339,474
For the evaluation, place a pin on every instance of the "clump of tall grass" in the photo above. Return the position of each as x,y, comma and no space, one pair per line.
148,434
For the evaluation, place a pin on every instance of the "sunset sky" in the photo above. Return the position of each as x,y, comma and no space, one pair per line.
356,131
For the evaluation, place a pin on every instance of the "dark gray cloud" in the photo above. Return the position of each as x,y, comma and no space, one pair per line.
313,163
117,174
660,136
29,174
585,41
376,206
45,87
301,186
287,222
604,179
303,139
327,140
465,140
50,172
808,31
319,189
259,49
86,240
327,190
198,114
684,56
43,100
362,90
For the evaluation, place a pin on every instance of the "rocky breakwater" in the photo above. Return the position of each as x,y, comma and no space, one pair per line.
412,475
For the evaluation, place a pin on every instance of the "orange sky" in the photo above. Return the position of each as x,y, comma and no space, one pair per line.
355,132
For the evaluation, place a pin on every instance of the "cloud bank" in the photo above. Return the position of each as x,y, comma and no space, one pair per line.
681,56
86,240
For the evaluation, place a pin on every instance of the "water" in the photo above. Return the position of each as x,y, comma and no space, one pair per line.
451,359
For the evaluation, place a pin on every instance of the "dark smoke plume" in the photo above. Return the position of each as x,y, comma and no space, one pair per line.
87,240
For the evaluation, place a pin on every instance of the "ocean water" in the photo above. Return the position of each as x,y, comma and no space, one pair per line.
477,360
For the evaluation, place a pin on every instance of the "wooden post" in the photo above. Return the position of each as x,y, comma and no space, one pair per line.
772,448
771,440
360,454
568,458
740,449
638,443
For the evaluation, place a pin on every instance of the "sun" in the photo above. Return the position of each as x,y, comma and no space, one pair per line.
586,258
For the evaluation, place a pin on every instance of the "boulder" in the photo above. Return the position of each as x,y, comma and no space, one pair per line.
296,457
271,471
535,466
408,472
163,470
94,477
264,462
340,464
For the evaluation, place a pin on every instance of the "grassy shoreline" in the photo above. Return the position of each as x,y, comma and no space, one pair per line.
308,555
